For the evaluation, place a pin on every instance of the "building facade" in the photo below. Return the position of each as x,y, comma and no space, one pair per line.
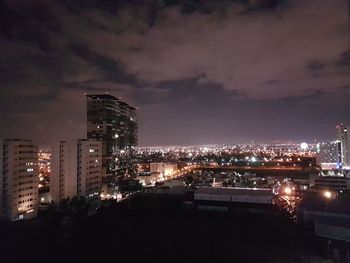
76,170
227,198
333,183
165,170
89,177
19,179
114,122
343,137
329,155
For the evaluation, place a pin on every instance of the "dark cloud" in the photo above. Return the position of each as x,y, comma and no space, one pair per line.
201,71
344,60
315,65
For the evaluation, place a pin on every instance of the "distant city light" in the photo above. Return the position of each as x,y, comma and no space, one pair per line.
304,146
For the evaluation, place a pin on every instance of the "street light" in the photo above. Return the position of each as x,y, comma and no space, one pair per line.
287,190
327,194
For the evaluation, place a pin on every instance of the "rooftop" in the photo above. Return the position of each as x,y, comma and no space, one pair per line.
107,96
234,191
17,140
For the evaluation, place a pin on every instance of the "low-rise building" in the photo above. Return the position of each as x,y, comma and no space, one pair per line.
333,183
226,198
328,214
148,179
170,169
165,170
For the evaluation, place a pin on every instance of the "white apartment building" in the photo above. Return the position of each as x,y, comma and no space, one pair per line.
76,170
89,177
18,179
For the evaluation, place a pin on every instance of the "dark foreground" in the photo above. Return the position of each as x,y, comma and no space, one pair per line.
118,234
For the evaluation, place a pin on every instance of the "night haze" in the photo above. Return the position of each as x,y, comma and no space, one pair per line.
200,71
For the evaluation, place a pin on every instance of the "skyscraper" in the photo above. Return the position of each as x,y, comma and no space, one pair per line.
343,136
114,122
329,154
18,179
76,170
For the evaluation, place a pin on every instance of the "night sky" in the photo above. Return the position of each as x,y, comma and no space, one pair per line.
200,71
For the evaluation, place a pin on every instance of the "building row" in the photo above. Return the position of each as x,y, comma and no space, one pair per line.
158,172
76,172
79,167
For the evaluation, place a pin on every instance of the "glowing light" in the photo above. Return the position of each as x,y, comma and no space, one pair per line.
327,194
287,190
304,146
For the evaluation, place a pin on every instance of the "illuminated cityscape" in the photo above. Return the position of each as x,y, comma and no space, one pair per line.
175,131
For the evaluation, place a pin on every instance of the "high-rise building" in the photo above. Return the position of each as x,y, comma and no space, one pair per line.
76,170
64,167
329,155
18,179
114,122
343,135
89,179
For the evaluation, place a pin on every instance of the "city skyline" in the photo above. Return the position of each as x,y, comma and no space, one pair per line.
219,72
175,130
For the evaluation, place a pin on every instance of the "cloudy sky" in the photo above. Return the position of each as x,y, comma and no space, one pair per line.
201,71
